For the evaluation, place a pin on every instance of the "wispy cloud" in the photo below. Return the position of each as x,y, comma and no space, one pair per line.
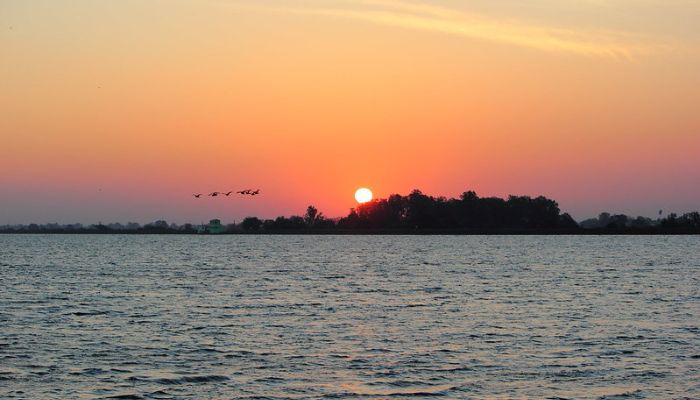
431,18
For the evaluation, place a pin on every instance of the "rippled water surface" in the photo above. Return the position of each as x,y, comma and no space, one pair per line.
313,317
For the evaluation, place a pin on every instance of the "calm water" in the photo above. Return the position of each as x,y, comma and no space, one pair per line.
314,317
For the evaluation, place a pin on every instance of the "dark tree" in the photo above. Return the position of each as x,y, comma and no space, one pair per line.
251,224
312,216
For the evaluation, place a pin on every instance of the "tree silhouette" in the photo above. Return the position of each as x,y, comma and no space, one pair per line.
251,224
312,216
420,212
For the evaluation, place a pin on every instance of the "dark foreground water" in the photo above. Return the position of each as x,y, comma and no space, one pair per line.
314,317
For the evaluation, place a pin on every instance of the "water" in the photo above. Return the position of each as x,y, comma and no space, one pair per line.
313,317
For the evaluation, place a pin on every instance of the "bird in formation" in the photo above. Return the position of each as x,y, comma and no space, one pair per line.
249,192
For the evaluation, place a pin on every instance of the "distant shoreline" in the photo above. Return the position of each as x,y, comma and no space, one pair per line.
413,214
580,232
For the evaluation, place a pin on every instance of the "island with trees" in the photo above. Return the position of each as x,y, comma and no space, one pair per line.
415,213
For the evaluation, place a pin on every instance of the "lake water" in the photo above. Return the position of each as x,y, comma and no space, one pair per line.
372,317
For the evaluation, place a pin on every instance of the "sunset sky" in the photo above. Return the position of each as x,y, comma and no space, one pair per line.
120,110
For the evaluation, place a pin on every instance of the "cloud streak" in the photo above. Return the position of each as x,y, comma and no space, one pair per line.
430,18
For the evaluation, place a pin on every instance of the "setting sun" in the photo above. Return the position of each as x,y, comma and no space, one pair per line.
363,195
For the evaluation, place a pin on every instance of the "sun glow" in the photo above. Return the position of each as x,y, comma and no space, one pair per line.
363,195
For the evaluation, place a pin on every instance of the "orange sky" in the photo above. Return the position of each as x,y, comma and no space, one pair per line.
118,111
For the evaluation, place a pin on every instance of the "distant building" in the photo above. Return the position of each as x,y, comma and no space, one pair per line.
215,226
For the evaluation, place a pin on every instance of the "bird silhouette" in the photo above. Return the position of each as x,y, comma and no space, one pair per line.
247,191
254,193
213,194
227,193
198,195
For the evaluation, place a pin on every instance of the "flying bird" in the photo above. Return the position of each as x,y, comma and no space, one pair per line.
228,193
247,191
213,194
197,195
254,193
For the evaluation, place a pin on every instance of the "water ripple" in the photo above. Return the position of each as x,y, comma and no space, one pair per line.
370,317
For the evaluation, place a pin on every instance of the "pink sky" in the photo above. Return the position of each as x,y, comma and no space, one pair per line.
120,111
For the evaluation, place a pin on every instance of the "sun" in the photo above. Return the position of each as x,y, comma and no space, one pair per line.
363,195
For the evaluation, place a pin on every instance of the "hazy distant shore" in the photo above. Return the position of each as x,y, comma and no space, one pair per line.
412,214
428,232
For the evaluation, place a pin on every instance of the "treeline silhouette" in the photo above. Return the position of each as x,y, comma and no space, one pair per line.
673,223
158,227
414,213
469,212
